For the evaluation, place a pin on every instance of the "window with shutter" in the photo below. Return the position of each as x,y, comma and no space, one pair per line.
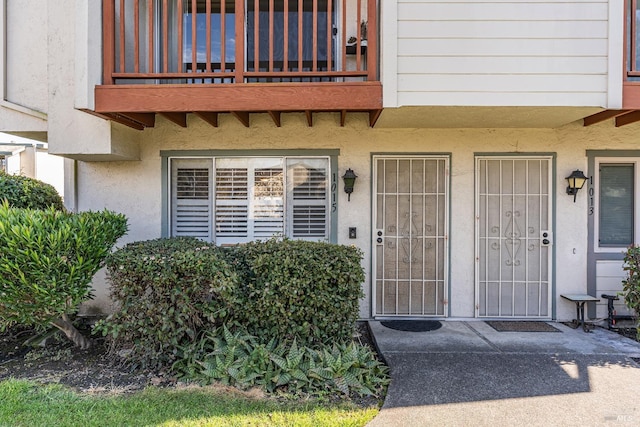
254,198
268,202
308,195
232,209
191,198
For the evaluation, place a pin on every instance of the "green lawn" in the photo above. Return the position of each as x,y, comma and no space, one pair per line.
24,403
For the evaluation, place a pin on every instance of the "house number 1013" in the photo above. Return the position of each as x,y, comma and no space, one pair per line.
591,195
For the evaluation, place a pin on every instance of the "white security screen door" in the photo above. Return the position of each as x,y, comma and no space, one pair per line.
514,237
410,235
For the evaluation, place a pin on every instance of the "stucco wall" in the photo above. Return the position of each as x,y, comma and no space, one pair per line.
134,188
26,53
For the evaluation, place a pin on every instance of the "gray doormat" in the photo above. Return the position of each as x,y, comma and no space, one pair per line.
516,326
412,325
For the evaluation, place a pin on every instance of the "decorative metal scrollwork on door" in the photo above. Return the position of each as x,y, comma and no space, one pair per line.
512,238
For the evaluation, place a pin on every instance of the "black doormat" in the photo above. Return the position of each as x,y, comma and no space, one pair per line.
515,326
412,325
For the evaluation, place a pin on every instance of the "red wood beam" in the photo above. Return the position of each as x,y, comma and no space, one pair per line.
240,42
178,118
372,40
242,116
116,118
146,119
275,116
216,75
109,41
150,37
625,119
602,116
179,19
122,34
309,115
631,95
362,96
223,36
136,36
211,118
343,117
374,115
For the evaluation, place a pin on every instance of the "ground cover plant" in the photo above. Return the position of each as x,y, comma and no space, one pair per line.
242,360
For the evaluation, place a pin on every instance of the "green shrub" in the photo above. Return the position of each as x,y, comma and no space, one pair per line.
23,192
47,261
242,360
298,289
631,285
166,291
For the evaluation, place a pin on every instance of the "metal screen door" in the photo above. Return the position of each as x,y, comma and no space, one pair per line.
410,235
514,237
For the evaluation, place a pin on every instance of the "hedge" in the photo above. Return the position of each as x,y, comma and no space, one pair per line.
23,192
166,291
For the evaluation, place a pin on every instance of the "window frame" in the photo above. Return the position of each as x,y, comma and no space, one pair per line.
331,156
594,201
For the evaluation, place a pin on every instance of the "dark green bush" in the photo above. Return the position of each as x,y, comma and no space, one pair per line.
166,291
47,261
23,192
298,289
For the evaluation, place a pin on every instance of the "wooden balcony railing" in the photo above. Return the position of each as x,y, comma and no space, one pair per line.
224,41
206,57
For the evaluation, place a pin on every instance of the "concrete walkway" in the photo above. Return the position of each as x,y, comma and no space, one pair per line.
468,374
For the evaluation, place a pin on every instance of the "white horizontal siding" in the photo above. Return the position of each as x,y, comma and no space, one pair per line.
539,99
513,65
609,277
512,29
465,52
502,83
503,11
586,47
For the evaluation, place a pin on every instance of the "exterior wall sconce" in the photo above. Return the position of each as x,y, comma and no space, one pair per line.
349,178
576,181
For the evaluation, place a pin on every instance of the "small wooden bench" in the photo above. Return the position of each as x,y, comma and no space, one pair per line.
580,300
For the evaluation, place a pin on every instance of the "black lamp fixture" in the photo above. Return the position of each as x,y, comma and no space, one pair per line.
576,181
349,178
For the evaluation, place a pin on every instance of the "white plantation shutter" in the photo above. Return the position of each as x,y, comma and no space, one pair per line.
308,198
231,202
191,198
250,198
268,202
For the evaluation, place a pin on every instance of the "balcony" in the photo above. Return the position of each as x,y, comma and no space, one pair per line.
630,112
209,57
